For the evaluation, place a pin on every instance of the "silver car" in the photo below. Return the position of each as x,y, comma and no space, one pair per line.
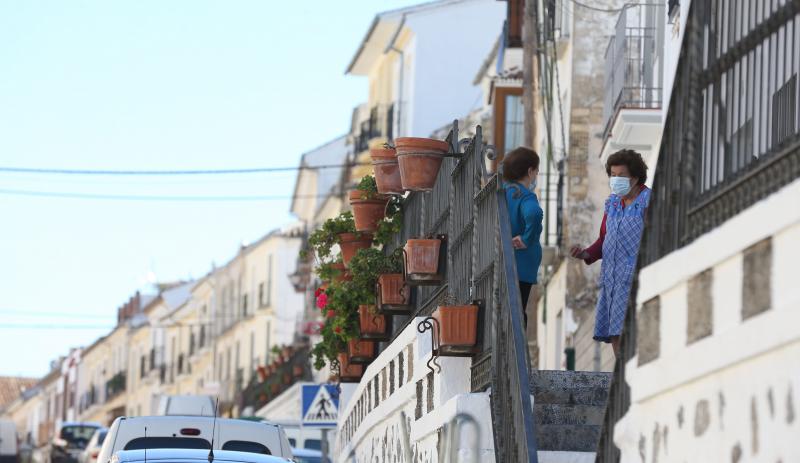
89,455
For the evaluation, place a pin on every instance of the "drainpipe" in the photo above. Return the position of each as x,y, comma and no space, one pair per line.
391,47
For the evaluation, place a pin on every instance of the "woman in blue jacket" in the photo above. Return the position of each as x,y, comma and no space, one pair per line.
520,169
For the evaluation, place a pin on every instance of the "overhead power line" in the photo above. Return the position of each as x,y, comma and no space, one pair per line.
72,195
253,170
594,8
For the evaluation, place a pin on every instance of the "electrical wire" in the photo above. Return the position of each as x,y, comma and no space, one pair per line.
254,170
72,195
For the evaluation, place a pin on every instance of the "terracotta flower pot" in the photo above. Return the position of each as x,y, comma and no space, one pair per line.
458,324
347,370
352,242
420,160
274,388
422,256
341,272
393,289
286,378
367,212
297,371
262,397
360,351
387,170
369,320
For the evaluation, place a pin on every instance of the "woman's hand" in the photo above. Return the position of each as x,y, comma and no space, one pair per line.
518,243
579,253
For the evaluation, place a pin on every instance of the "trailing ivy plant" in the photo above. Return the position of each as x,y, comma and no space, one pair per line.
325,237
392,224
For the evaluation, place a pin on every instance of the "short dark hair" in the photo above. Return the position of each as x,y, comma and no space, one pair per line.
630,159
517,162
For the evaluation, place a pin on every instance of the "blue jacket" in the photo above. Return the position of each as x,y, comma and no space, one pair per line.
526,222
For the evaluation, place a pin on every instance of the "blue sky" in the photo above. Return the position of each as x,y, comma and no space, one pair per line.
153,84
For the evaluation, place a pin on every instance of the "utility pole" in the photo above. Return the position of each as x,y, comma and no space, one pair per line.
530,71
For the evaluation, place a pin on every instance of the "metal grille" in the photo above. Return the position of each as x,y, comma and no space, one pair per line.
471,210
630,80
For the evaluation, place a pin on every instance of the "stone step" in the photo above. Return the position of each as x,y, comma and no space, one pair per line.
567,437
559,414
561,379
597,396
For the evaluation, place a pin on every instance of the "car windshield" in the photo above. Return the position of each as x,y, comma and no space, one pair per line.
77,435
142,443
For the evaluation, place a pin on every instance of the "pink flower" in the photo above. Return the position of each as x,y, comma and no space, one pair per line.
322,300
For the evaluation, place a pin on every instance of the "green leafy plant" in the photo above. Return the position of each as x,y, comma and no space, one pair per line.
328,271
369,264
368,187
325,237
391,225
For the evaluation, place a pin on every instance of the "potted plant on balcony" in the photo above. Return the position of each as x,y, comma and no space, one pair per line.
339,230
387,170
421,259
369,206
420,160
457,324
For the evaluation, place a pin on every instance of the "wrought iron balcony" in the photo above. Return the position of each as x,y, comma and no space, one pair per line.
631,79
379,124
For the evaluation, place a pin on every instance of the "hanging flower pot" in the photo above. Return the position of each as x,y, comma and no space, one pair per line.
297,371
286,378
420,160
262,397
349,372
393,289
262,373
350,243
274,388
367,211
387,170
340,274
371,324
422,256
458,325
360,351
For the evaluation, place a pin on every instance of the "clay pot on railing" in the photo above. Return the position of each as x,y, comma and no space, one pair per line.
297,371
367,212
350,243
458,325
274,388
370,322
360,351
420,160
349,372
341,272
392,289
287,379
421,256
387,170
262,397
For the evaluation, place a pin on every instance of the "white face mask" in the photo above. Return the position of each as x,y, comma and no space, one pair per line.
620,186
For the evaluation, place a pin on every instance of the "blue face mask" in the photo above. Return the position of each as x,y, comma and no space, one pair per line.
620,186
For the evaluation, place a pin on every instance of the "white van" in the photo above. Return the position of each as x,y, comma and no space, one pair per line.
186,405
194,432
9,446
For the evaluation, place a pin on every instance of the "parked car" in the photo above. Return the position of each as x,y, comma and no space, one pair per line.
188,405
307,455
70,441
9,445
192,456
89,454
194,432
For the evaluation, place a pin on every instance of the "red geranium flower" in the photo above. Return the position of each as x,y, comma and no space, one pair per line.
331,314
322,300
337,330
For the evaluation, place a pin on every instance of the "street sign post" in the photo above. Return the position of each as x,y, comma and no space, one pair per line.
320,406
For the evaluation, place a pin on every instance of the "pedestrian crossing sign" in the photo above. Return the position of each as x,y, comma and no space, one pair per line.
320,405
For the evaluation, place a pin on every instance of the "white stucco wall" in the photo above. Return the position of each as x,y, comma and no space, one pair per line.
450,45
735,392
370,431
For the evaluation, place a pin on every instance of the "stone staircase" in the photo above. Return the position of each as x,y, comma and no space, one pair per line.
568,408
